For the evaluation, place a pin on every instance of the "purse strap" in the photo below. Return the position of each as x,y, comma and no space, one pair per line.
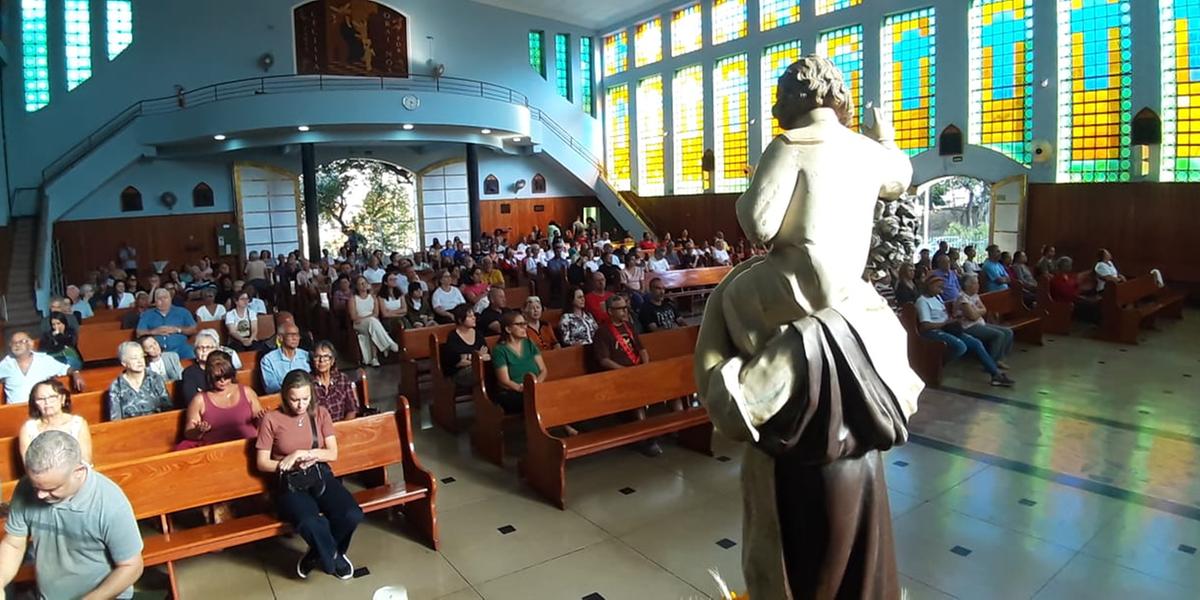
313,421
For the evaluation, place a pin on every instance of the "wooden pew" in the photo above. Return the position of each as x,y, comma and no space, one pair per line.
366,444
1125,307
487,431
565,401
682,282
98,343
1056,316
925,356
1008,310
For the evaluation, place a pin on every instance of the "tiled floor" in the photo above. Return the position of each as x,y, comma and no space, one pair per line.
1080,482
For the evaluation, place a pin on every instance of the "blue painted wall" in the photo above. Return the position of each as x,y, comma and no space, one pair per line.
508,169
152,180
194,44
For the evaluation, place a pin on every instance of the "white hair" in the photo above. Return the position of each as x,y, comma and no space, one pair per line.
211,334
126,347
51,450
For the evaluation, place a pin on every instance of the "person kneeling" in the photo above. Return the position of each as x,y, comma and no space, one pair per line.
297,442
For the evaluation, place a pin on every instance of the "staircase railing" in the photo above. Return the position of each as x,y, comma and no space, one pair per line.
281,84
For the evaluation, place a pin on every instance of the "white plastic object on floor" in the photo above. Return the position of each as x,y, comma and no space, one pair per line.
391,592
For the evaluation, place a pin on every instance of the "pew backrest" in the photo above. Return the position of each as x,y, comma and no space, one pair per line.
610,392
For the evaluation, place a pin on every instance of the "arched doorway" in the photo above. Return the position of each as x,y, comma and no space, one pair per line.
955,209
371,198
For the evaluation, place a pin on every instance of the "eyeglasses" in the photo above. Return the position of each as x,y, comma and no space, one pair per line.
209,348
322,357
47,398
616,308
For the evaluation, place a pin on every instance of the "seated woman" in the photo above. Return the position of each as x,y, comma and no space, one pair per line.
460,344
392,305
1106,272
577,326
514,357
905,285
446,298
333,389
166,364
971,314
477,289
1068,286
241,323
60,342
364,313
419,311
50,409
339,300
195,378
935,324
540,331
120,296
298,438
226,411
136,392
210,310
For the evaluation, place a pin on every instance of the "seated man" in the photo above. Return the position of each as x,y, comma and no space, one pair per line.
171,324
658,312
935,324
994,275
659,263
488,322
288,357
942,269
141,305
24,368
595,299
86,542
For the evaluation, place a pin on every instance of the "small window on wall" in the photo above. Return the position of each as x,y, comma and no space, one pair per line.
131,200
539,184
491,185
202,196
537,52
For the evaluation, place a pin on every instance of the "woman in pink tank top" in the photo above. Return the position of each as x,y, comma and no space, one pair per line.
229,411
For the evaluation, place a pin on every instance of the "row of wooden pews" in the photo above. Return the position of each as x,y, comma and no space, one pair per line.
138,454
100,336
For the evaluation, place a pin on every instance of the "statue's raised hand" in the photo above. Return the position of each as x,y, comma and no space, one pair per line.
881,129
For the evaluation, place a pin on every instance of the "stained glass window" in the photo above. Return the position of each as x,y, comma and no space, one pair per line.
909,77
647,42
777,13
616,125
650,144
1001,76
845,48
775,60
728,20
1093,90
537,51
77,32
616,53
687,110
1180,90
34,52
119,25
588,74
562,64
827,6
731,119
686,30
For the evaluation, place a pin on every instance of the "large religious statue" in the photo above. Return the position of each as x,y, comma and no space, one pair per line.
802,360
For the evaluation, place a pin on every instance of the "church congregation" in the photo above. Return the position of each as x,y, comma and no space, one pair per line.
499,299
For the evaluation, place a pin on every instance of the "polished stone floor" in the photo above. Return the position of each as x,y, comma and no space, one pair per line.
1079,482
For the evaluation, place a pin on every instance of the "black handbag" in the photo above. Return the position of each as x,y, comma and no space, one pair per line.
309,479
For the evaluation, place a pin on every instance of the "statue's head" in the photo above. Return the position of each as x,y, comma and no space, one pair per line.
809,83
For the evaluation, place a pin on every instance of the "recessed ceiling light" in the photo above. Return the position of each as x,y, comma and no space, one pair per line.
517,139
485,131
302,128
407,126
220,137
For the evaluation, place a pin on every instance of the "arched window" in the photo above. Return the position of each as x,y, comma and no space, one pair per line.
539,184
202,196
131,200
491,185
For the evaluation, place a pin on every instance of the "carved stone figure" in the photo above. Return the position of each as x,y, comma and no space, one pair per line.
803,360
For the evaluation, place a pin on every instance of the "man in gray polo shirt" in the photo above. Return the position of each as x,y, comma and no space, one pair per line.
85,540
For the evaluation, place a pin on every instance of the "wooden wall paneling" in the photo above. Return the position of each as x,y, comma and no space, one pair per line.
523,213
702,215
86,245
1144,225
